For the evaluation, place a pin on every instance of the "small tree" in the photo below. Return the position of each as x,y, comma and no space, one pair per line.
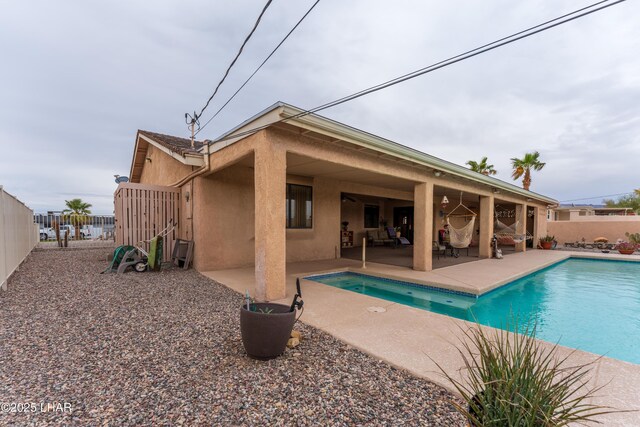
629,201
522,167
77,212
481,167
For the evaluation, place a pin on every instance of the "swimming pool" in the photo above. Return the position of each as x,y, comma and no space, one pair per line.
591,305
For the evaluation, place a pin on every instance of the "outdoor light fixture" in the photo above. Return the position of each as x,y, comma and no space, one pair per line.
186,196
148,159
437,173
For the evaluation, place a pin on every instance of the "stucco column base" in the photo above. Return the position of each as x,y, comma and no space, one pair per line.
423,226
270,221
486,226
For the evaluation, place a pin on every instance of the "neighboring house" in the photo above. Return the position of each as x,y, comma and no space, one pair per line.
279,193
588,212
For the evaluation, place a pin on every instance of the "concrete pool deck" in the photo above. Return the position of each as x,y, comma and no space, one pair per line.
415,340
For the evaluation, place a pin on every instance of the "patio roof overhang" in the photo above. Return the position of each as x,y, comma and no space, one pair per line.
281,114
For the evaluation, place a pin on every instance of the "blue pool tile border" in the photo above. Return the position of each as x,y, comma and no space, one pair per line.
315,277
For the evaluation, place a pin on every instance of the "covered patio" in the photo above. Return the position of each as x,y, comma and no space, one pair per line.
402,256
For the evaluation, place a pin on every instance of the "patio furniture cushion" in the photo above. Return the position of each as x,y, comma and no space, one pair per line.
378,237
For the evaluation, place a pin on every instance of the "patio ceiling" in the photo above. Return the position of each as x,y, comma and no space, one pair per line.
306,166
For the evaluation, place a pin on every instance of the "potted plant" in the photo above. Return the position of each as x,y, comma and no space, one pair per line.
633,237
514,380
546,242
626,248
266,327
398,231
345,225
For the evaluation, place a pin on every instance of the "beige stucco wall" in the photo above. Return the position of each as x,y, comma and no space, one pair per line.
162,169
321,241
573,231
223,219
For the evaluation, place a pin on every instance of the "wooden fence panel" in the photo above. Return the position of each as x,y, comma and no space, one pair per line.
143,211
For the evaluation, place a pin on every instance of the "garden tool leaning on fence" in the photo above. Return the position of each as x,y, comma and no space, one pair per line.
138,257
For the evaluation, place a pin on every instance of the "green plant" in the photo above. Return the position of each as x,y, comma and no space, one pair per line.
547,238
250,304
633,237
523,166
631,200
77,212
481,167
513,381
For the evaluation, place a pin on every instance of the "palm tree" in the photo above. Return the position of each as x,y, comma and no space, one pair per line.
77,211
524,165
482,167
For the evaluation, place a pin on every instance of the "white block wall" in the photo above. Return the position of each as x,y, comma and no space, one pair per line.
18,235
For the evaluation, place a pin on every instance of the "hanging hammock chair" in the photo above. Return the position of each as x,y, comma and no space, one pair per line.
460,238
508,232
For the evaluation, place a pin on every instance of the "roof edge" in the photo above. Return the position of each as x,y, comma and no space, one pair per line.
374,142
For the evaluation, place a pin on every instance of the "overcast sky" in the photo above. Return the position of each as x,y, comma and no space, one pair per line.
79,78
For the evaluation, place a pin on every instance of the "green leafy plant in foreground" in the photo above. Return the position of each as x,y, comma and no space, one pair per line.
547,238
633,237
513,381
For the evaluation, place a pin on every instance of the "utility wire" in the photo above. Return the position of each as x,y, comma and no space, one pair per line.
598,197
266,6
579,13
260,66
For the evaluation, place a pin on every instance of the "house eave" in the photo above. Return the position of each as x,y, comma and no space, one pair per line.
357,137
187,159
313,122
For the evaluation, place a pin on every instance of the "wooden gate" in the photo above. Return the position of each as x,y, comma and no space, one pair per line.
143,211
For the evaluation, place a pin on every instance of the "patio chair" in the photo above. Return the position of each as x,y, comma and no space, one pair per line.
439,249
378,237
391,232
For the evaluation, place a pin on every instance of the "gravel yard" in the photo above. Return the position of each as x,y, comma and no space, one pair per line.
164,349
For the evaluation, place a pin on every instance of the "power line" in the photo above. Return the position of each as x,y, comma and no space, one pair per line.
450,61
598,197
260,66
264,9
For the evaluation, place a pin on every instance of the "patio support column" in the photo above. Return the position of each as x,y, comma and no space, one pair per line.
422,226
270,222
521,228
486,226
539,224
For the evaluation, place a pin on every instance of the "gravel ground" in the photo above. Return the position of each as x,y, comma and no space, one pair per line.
165,349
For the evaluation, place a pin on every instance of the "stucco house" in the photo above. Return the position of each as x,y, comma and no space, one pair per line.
276,188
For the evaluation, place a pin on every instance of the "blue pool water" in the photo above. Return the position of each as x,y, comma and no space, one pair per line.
590,305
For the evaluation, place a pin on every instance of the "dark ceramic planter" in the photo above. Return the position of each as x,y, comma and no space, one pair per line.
265,335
